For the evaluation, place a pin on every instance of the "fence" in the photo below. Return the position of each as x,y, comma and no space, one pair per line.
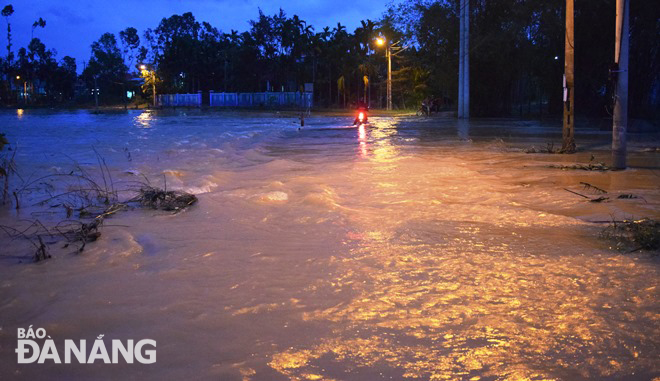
261,99
175,100
288,99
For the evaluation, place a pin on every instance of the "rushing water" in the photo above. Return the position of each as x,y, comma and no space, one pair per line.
411,249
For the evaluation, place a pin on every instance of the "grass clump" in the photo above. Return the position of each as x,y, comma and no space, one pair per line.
634,235
161,199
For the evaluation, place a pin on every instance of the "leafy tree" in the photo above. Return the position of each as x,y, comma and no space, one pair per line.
65,79
130,41
107,67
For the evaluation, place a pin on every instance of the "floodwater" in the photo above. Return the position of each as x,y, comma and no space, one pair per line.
413,249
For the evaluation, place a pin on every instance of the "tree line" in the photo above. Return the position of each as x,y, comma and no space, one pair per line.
516,58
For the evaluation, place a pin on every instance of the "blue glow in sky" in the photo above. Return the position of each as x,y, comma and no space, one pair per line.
72,26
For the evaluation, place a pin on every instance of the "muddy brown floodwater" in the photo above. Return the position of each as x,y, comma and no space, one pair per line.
412,249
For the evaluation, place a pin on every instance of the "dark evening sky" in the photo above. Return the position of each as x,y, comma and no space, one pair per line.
71,26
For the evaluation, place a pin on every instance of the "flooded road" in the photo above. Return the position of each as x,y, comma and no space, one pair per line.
412,249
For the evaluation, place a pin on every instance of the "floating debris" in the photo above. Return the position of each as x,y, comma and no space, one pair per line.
629,196
598,199
584,167
157,198
549,148
593,188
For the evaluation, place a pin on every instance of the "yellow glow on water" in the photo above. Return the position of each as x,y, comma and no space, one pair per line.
144,120
19,113
439,294
362,138
384,149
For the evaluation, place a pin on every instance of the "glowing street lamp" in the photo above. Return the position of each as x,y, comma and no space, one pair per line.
380,41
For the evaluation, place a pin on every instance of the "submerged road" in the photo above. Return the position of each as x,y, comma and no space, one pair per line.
411,249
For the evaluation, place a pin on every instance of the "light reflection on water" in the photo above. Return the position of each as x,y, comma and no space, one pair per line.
440,296
144,119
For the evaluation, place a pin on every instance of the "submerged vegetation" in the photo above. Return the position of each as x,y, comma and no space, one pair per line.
628,235
162,199
634,235
84,201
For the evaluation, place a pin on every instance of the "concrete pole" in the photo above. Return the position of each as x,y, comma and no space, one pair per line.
389,76
620,117
466,61
461,55
96,93
153,85
568,132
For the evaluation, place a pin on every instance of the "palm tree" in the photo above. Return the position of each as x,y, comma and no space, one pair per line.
7,11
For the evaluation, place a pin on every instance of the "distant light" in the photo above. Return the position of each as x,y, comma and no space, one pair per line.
18,77
380,41
143,67
556,58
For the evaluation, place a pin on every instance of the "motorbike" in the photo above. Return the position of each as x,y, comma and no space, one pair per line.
361,117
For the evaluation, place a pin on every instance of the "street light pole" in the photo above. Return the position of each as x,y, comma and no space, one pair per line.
388,53
153,85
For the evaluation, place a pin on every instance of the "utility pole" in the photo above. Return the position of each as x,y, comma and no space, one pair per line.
461,48
388,53
153,84
568,132
96,94
464,60
620,117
